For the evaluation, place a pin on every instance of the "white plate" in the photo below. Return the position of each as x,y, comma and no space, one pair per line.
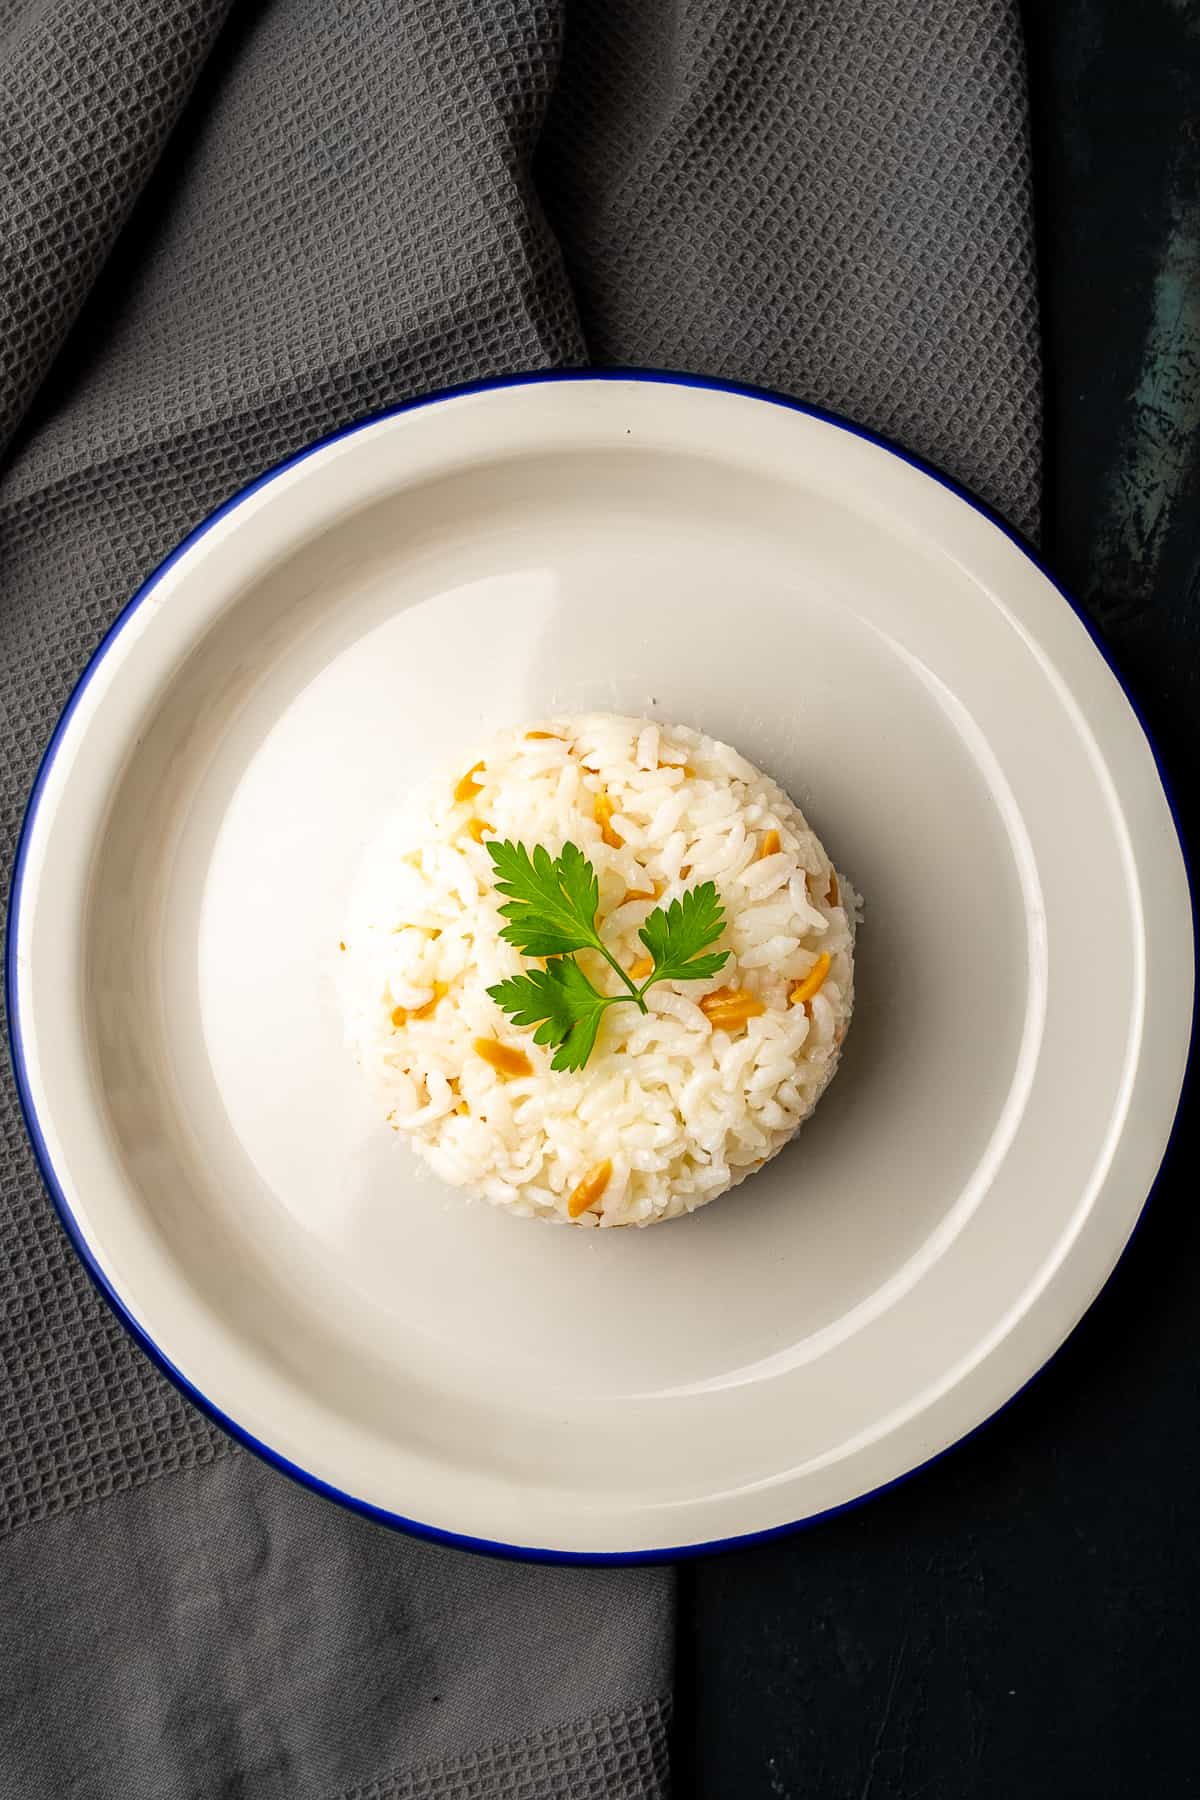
642,544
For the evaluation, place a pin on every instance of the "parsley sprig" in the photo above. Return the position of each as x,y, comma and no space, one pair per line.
551,912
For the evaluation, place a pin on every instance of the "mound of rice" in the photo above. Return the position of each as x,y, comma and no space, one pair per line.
673,1108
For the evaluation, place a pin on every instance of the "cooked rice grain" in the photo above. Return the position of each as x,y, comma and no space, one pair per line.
680,1104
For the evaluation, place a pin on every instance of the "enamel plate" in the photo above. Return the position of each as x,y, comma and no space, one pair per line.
641,544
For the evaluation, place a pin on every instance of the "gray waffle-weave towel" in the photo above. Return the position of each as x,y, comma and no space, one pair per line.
222,233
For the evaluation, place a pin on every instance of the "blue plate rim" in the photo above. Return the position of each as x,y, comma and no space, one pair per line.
273,1458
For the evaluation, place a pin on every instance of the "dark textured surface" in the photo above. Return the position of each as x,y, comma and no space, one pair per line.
222,234
1021,1619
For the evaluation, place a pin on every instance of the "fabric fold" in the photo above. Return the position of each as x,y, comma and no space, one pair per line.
89,95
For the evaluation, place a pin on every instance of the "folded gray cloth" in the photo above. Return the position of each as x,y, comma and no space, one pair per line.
223,233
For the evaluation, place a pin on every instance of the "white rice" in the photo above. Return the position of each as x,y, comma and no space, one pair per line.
682,1112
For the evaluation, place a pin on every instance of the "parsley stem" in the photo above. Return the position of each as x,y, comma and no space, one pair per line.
634,994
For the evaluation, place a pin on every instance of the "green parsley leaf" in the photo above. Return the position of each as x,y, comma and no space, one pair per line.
552,901
676,934
562,1003
551,911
